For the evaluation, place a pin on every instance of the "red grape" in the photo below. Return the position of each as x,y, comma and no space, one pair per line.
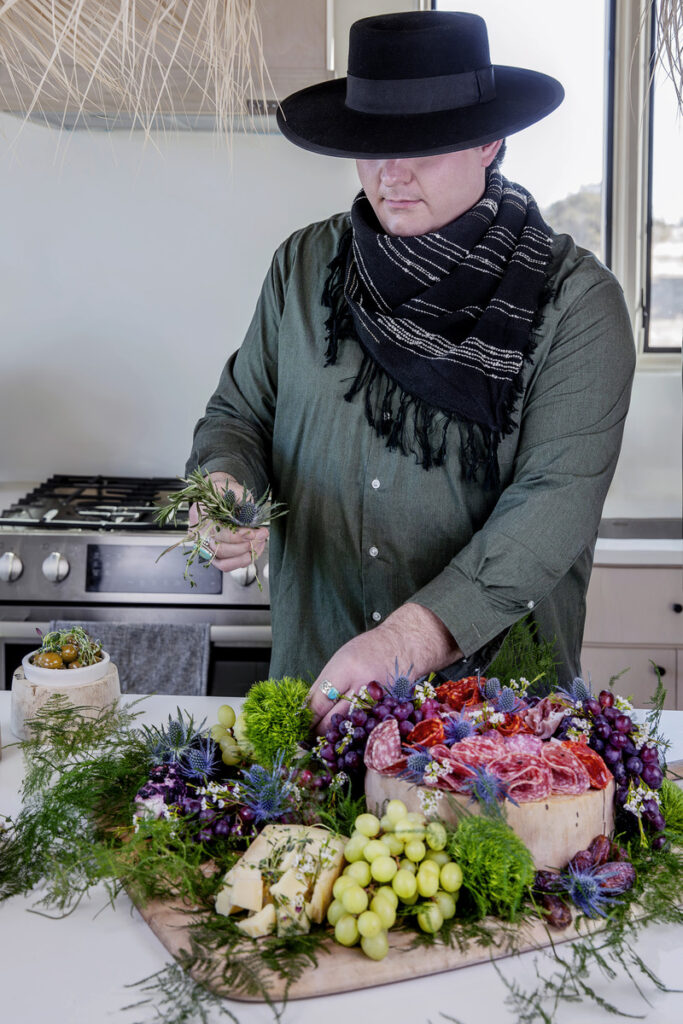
606,698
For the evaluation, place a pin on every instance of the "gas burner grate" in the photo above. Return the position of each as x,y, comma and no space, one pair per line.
93,502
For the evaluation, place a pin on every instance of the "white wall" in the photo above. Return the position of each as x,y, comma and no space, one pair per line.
127,275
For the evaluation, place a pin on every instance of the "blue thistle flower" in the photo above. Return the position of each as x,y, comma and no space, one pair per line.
246,514
488,790
418,760
586,892
490,689
400,687
577,692
168,744
508,702
266,793
456,727
200,761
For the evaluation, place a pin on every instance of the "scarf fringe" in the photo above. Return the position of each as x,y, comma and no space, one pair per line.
409,425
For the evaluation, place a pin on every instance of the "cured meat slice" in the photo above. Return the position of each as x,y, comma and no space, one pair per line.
457,693
523,743
544,719
598,772
569,774
383,749
427,733
526,776
477,751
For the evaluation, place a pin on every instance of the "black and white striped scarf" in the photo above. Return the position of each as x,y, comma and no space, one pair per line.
444,321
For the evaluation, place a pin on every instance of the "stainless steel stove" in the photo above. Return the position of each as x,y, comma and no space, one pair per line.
88,547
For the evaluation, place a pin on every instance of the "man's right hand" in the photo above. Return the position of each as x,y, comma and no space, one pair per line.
234,550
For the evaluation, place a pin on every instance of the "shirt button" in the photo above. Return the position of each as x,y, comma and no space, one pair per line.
373,551
530,604
375,484
376,616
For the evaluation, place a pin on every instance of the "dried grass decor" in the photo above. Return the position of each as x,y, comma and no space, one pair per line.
141,58
668,48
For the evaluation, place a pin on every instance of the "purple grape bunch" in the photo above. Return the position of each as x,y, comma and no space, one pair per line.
634,764
343,746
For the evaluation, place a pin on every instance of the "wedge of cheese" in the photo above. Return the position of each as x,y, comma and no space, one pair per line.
291,868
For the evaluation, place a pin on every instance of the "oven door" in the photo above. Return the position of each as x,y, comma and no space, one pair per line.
240,637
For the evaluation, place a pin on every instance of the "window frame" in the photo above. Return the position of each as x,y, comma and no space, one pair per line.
628,166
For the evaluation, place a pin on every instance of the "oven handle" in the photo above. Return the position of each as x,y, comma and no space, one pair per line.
243,636
222,636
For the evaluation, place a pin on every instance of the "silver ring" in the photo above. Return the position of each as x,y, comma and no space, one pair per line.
329,690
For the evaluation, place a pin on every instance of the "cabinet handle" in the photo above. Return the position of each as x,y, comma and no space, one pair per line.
661,669
678,608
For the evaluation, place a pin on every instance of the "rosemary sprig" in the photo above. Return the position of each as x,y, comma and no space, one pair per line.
218,509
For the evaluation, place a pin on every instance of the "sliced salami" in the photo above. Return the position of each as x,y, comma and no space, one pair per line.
544,719
523,743
526,776
477,751
383,749
427,733
598,772
569,775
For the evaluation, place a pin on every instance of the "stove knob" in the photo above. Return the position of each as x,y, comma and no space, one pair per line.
245,576
11,567
55,567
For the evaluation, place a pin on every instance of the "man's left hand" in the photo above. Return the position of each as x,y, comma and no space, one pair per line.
412,634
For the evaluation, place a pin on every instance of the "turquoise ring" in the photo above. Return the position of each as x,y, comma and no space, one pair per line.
329,690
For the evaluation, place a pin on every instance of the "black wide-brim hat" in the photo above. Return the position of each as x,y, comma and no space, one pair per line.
418,84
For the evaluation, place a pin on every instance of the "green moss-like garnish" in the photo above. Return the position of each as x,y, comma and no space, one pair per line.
277,718
497,867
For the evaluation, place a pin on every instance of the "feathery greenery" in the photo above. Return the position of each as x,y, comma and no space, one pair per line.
524,654
219,508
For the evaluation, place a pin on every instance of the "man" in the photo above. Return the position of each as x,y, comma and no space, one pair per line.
435,383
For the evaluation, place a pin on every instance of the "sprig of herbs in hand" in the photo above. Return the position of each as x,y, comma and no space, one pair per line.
217,508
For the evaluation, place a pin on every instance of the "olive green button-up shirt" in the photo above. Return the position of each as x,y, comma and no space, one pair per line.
368,529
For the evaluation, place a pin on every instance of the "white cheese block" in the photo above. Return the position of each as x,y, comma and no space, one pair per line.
260,924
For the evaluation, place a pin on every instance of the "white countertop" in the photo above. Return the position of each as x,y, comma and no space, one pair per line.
76,970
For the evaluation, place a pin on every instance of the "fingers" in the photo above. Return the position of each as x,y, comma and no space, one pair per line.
236,550
324,698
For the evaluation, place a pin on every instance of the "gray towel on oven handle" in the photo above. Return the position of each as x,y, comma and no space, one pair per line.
153,657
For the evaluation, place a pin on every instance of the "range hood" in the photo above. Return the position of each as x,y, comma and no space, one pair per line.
150,64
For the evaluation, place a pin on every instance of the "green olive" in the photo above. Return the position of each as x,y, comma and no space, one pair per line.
69,653
75,664
48,659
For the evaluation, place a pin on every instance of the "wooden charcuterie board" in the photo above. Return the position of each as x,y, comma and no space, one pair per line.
340,969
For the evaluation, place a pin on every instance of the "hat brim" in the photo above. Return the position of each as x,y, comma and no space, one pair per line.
317,119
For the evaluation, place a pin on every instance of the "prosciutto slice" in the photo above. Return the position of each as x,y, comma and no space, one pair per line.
527,776
569,775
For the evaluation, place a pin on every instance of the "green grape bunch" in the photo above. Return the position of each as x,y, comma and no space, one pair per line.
218,508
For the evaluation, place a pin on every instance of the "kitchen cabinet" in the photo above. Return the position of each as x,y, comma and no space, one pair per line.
635,617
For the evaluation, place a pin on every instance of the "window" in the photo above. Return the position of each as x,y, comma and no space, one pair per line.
546,35
616,145
663,327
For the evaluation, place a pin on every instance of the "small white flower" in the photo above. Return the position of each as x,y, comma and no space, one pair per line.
496,718
429,800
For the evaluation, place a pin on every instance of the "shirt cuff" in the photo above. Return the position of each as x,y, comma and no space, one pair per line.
465,609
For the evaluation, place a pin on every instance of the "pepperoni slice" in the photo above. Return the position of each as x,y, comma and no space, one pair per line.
427,733
523,743
456,693
598,772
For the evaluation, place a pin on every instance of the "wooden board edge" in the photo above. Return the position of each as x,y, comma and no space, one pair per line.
341,969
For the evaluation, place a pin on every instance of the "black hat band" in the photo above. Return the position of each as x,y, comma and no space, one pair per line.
420,95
